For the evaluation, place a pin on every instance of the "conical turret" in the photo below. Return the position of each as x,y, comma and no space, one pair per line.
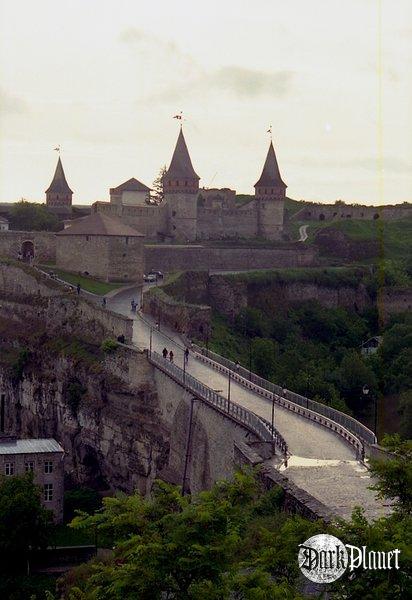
270,177
59,194
181,175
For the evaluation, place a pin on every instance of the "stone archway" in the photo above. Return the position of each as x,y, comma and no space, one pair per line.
27,250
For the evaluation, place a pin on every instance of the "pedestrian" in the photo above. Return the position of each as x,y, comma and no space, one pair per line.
237,365
187,356
78,288
165,353
171,356
104,302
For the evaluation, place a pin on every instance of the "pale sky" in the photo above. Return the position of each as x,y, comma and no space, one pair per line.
103,79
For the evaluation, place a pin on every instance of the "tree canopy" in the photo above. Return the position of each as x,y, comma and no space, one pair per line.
29,216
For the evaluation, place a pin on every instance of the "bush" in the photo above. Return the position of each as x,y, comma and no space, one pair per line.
108,346
83,499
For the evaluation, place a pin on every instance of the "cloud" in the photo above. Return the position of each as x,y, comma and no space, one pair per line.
10,104
250,83
178,75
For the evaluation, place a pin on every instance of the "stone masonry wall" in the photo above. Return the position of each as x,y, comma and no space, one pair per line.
203,258
44,244
28,295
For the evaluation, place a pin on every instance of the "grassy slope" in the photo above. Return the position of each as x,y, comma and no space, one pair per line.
87,283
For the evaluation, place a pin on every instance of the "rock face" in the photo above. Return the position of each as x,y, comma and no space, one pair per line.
112,433
333,242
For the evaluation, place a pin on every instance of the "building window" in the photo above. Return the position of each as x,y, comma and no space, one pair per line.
48,492
177,183
48,466
87,238
9,468
29,466
185,183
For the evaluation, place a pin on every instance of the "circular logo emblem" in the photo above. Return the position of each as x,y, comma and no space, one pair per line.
322,558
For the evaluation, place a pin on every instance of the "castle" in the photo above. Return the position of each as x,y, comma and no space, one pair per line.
188,213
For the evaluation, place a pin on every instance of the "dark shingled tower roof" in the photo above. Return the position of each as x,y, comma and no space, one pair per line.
100,224
181,166
59,184
270,174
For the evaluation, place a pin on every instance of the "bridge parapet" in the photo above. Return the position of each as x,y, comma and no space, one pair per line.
354,432
257,425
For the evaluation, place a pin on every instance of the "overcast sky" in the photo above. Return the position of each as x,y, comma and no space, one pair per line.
103,79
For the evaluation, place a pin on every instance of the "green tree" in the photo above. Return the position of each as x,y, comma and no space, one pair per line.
352,375
24,522
29,216
405,413
395,475
263,357
82,499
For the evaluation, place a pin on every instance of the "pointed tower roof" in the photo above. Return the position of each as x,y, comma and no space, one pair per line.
270,174
59,184
181,166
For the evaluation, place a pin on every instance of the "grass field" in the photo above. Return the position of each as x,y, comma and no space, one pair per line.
395,236
87,283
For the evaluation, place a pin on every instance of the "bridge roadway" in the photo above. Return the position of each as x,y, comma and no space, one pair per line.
320,462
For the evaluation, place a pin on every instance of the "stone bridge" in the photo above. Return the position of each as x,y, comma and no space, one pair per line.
323,455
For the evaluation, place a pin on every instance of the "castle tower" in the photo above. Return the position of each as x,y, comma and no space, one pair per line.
181,189
270,193
58,194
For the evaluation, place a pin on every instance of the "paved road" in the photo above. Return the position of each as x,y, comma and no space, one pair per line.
303,236
321,462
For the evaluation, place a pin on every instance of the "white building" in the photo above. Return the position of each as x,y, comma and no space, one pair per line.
43,457
130,193
4,224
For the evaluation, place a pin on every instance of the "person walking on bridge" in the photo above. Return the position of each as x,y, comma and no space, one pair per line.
186,356
78,288
171,355
165,353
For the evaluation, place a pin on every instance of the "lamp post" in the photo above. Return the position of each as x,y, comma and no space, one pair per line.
273,415
228,390
365,392
250,359
151,338
188,446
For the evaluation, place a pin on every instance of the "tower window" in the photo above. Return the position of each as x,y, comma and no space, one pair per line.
177,183
87,238
170,183
185,183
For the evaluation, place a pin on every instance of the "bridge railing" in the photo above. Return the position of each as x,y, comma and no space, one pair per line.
258,425
349,423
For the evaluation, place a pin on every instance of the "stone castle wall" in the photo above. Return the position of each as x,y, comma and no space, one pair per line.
28,296
44,243
149,220
203,258
338,212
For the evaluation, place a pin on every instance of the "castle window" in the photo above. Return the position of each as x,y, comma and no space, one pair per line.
174,227
29,466
57,196
185,183
173,213
170,183
124,254
87,238
177,183
48,467
127,240
266,191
